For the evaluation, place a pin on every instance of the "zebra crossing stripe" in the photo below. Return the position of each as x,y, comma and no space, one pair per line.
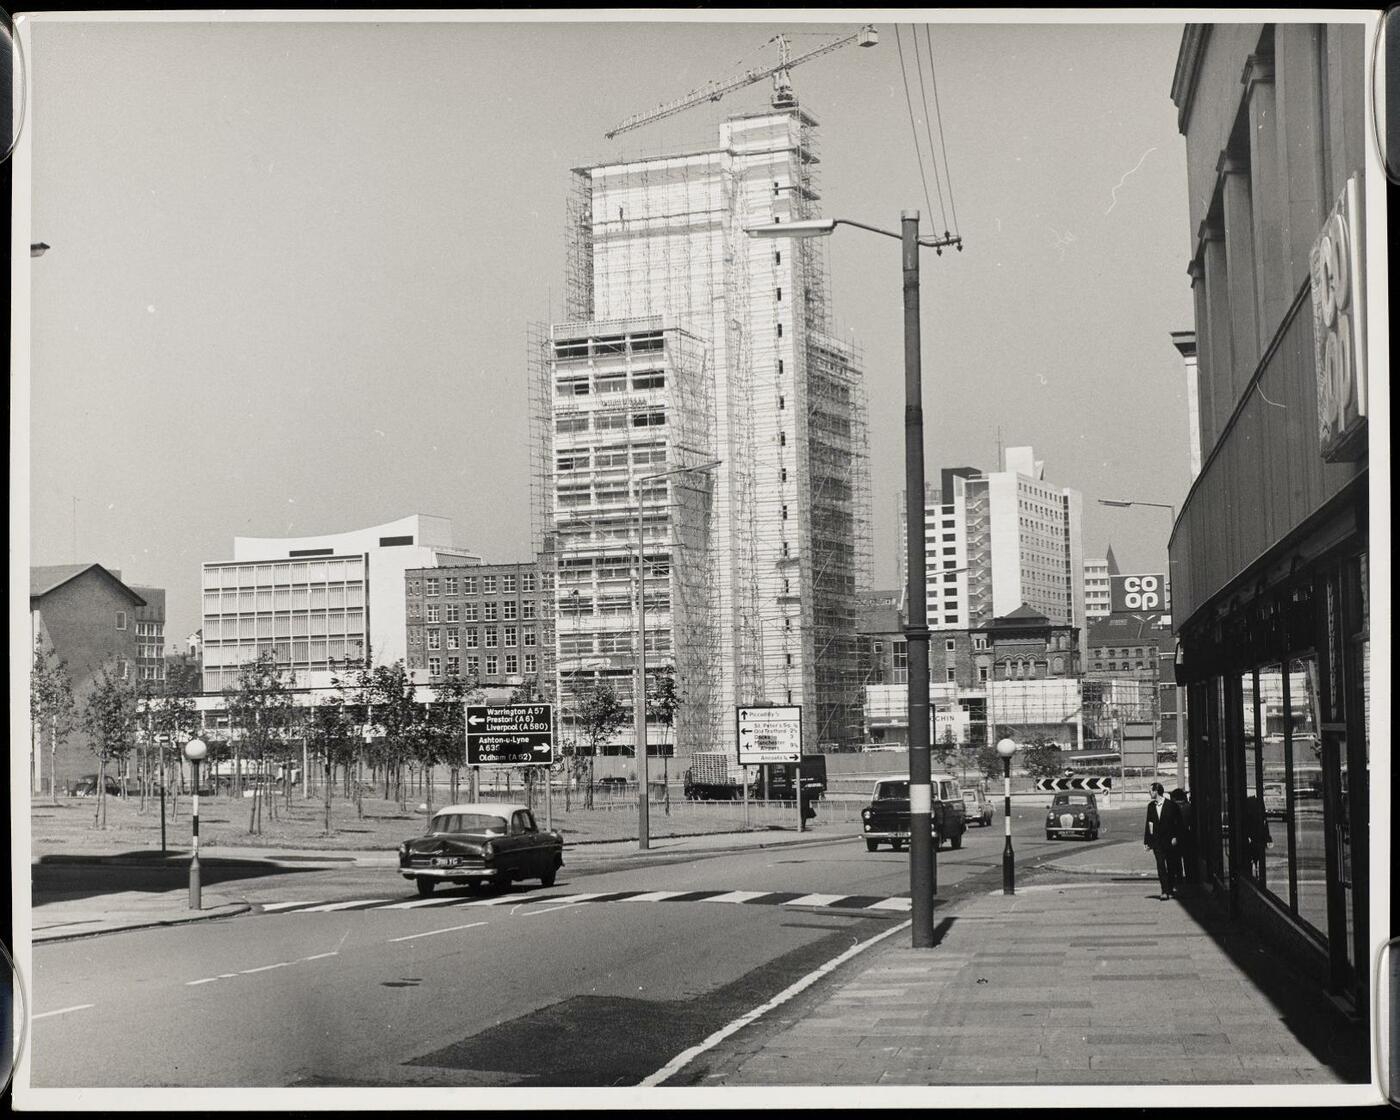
654,896
269,907
892,904
738,896
815,900
327,907
417,902
845,902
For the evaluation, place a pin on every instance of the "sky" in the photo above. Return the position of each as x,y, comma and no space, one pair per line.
293,264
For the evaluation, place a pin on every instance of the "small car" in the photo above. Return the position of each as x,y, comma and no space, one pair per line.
1072,814
977,807
886,819
611,784
1275,800
493,842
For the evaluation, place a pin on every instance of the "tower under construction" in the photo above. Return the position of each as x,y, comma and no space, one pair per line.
754,379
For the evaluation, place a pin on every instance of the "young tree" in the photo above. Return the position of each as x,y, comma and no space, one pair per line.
330,737
989,761
601,714
260,712
354,691
662,703
945,748
1042,758
399,715
109,717
52,709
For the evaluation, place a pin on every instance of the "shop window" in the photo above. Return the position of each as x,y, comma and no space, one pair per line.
1308,833
1273,775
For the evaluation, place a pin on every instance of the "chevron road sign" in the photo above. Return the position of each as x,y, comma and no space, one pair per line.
1057,785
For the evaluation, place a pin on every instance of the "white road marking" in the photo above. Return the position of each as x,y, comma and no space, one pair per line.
683,1059
329,906
737,896
431,932
417,902
567,902
890,904
814,900
653,896
499,900
320,956
206,980
264,968
65,1010
273,906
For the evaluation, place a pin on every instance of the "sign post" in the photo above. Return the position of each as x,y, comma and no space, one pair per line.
772,734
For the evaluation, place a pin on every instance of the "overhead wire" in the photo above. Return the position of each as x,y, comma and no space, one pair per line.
928,130
909,102
947,171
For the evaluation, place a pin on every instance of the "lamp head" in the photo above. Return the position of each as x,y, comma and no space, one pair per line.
195,750
1116,502
811,227
1006,747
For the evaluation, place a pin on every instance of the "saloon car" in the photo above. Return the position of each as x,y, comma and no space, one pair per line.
886,819
1275,800
977,807
1072,814
486,843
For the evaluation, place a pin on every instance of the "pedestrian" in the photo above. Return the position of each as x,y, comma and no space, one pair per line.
1186,858
1256,836
1162,837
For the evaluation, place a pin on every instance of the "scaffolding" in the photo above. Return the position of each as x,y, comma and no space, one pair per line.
664,236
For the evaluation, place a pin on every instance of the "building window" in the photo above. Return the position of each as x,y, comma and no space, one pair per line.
430,587
492,665
508,636
472,638
950,644
489,612
469,585
450,585
490,637
121,620
531,663
488,585
433,612
473,666
527,581
527,609
435,639
527,636
509,609
454,667
435,666
453,637
512,663
508,584
982,674
469,612
454,613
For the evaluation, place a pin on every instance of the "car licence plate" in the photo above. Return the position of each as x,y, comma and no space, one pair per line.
445,861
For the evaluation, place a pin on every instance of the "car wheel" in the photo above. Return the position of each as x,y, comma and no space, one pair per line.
547,879
425,885
871,845
897,845
956,842
1049,835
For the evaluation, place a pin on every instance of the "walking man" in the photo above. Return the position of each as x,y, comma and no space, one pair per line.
1163,837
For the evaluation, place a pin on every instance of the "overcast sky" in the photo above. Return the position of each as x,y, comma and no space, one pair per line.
293,265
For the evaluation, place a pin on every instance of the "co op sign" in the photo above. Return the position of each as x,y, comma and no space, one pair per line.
1137,593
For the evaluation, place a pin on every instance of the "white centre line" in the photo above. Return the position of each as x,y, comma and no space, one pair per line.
431,932
65,1010
270,907
320,956
264,968
206,980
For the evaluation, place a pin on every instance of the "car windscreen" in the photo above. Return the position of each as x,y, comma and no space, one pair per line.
890,791
1071,799
468,822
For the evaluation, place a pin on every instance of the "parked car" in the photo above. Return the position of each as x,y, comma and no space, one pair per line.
886,819
611,784
86,786
1072,814
977,807
489,842
1275,800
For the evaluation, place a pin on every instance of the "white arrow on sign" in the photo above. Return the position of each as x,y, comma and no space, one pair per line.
476,719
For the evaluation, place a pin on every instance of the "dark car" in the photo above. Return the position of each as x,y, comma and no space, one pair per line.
86,786
886,819
1072,814
611,784
490,842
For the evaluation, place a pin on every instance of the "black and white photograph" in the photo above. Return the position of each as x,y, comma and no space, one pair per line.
726,558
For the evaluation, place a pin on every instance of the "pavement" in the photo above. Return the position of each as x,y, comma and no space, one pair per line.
1083,976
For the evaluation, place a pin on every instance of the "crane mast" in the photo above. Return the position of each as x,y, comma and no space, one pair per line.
783,97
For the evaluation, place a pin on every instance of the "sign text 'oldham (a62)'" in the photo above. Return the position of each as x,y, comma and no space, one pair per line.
510,734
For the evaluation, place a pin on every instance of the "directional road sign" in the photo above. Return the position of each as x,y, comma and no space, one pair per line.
769,734
1059,785
510,734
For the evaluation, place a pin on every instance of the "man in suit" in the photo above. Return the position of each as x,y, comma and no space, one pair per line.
1163,837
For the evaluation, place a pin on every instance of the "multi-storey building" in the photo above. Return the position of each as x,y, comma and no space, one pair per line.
1270,555
664,237
491,625
1001,540
83,616
1098,601
315,602
150,634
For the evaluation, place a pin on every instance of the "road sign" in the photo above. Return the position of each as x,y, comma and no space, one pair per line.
1059,785
769,734
510,734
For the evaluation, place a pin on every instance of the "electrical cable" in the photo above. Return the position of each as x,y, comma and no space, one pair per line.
946,171
912,128
928,131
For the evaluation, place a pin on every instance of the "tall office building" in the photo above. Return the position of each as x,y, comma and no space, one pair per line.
661,241
313,601
1098,601
996,541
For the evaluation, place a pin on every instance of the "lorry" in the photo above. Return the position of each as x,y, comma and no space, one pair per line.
717,776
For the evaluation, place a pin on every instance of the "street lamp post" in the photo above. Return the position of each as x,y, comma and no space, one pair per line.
639,678
922,851
1006,748
195,750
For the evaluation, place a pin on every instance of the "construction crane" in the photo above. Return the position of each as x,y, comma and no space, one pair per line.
783,97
